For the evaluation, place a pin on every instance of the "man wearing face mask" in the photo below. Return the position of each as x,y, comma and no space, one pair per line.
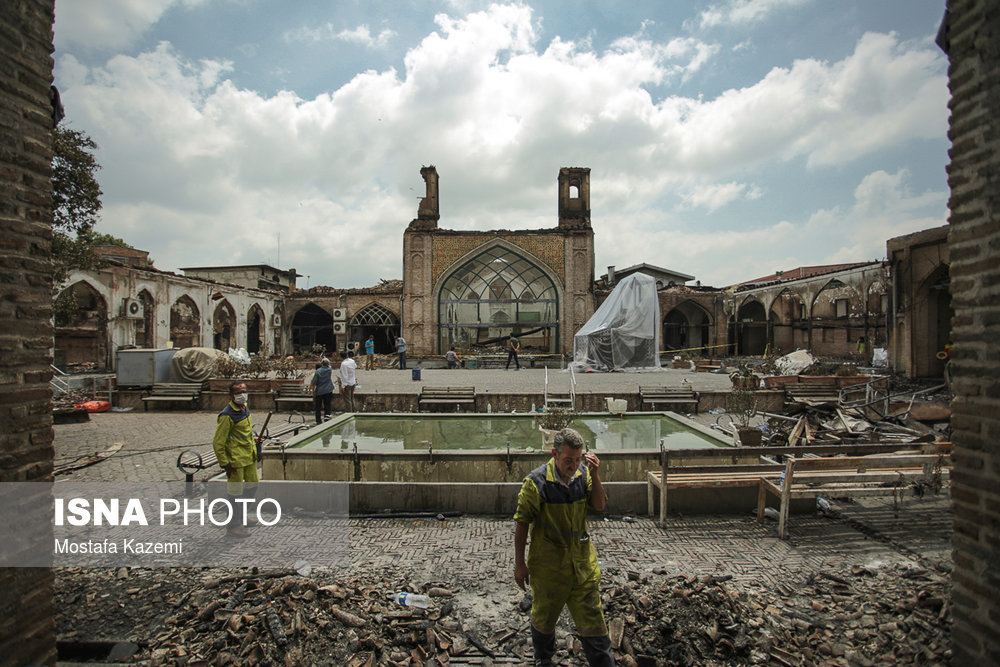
236,452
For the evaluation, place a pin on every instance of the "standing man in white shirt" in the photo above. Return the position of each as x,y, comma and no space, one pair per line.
348,378
401,351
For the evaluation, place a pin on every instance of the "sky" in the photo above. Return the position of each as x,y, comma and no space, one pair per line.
727,139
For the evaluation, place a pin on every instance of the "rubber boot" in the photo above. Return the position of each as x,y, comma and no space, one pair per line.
598,651
545,647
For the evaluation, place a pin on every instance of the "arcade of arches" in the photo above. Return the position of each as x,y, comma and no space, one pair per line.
476,288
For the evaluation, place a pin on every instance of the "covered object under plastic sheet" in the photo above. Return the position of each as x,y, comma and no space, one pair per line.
625,330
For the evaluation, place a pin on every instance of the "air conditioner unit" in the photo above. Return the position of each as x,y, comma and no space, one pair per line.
339,313
340,327
276,320
133,309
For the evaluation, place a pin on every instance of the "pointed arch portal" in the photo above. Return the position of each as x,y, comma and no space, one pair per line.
378,321
495,294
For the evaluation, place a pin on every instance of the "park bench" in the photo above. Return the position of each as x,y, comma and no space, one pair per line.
173,392
849,477
191,461
702,477
457,396
292,395
813,392
679,397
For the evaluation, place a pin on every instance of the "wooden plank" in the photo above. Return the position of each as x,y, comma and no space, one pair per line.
793,437
786,497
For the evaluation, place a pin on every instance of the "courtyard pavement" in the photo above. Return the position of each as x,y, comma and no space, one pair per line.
868,533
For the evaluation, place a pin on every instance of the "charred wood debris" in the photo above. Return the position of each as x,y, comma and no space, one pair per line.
885,615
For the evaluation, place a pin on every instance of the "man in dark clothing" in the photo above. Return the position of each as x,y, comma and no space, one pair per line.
321,387
513,345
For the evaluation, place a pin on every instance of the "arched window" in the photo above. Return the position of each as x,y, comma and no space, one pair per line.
495,294
380,323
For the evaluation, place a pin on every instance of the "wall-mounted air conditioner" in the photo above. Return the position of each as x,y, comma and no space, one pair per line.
133,309
340,327
339,313
276,320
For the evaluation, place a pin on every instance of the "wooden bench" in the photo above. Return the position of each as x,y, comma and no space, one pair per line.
849,476
702,477
292,395
812,393
669,396
175,392
457,396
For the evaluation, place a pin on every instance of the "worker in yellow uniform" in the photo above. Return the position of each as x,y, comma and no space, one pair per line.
562,564
236,451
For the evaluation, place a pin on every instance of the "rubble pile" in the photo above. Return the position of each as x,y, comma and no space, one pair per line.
868,616
68,399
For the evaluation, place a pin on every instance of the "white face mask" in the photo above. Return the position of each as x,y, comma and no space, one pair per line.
240,399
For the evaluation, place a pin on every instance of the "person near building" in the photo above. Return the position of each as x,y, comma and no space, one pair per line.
945,356
321,387
513,346
452,358
370,353
561,566
348,378
401,351
236,452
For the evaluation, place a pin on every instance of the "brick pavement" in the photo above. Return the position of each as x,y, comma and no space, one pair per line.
478,550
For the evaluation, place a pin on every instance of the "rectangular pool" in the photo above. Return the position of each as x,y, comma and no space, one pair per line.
440,432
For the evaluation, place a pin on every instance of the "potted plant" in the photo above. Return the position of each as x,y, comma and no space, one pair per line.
742,405
744,378
553,420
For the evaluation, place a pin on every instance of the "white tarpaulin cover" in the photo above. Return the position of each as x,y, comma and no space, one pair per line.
625,330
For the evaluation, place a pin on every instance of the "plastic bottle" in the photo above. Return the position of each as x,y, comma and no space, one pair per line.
489,407
533,408
412,600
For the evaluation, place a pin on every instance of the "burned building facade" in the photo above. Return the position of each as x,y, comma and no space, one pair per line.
920,301
118,307
837,311
475,288
463,288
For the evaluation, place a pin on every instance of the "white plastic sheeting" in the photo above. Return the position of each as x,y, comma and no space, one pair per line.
625,330
794,363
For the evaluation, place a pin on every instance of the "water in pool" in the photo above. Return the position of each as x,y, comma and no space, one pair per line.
481,432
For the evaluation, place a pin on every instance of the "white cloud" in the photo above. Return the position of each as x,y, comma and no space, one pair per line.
360,35
716,195
742,12
116,24
183,148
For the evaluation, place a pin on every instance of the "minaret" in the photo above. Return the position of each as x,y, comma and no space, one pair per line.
574,198
428,212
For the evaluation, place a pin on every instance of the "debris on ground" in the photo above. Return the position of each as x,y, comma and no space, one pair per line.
876,615
794,363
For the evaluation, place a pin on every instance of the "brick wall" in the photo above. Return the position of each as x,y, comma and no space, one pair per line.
973,35
27,632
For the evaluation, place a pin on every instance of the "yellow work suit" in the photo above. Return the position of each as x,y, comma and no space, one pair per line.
562,562
235,446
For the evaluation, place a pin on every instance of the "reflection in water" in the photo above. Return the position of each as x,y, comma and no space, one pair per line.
392,433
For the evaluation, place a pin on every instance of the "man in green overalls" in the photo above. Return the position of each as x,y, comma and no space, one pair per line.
236,451
562,565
